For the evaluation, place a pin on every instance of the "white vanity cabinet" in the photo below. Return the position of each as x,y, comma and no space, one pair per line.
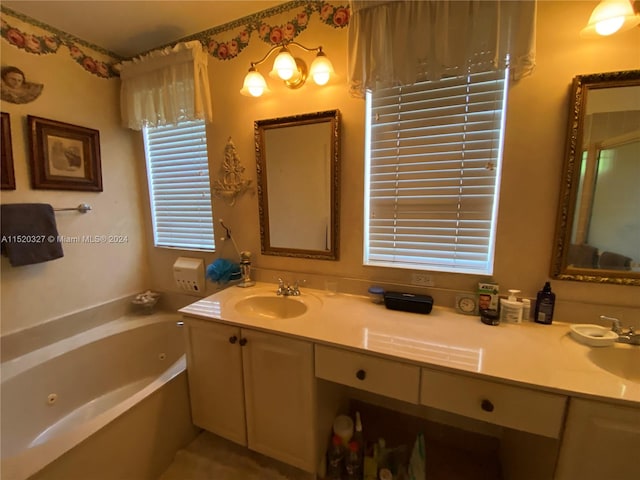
389,378
523,409
601,441
214,371
254,388
277,390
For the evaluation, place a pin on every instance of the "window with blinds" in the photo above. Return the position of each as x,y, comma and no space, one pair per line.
178,174
433,173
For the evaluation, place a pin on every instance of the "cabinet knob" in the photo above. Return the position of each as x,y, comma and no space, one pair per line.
233,339
243,342
486,405
361,374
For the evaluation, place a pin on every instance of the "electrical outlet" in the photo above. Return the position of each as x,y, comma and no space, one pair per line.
422,279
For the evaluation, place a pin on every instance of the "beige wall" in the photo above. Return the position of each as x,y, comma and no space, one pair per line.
534,149
88,274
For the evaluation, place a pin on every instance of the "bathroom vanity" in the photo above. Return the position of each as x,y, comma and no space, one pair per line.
270,372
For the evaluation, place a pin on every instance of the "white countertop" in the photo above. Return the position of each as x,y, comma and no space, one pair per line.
529,354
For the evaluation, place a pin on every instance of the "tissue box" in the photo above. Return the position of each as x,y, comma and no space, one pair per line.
408,302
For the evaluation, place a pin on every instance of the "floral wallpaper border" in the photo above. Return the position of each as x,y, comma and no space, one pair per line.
333,16
50,42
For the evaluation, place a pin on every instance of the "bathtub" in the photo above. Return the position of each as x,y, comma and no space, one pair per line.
100,404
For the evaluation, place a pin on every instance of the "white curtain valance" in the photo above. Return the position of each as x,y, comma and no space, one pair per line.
395,43
165,87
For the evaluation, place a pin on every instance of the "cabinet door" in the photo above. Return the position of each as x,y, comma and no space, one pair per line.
214,370
280,396
600,441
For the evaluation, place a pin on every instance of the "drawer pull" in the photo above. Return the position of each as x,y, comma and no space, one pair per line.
243,342
486,405
233,339
361,374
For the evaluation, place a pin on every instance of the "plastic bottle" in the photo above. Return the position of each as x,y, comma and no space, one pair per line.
526,309
385,474
545,303
511,308
359,437
376,294
353,462
335,459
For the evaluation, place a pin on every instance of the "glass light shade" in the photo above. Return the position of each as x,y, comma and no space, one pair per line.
284,65
609,26
254,84
609,17
321,69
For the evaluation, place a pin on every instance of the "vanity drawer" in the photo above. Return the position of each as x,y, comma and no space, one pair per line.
366,372
523,409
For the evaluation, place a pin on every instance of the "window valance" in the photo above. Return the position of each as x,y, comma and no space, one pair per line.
400,42
165,87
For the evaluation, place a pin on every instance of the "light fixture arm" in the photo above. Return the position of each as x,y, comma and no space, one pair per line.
264,59
316,50
284,45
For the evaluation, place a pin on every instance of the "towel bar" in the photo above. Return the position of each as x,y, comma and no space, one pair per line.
82,208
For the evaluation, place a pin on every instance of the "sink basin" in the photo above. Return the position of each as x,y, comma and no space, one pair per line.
621,360
271,306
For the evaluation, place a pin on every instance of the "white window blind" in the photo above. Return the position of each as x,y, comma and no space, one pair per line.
433,173
178,174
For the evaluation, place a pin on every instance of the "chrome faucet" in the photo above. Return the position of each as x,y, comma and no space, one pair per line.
286,290
628,336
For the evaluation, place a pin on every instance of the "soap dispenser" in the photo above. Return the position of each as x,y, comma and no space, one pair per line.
545,303
511,308
245,269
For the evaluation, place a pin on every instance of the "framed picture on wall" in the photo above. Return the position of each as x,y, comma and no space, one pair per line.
7,177
64,156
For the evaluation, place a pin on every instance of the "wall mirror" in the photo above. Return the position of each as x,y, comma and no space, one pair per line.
598,224
298,163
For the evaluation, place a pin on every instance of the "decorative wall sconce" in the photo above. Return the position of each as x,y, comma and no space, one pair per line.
232,183
609,17
291,69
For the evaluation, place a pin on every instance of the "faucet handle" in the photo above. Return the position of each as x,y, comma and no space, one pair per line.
296,286
615,323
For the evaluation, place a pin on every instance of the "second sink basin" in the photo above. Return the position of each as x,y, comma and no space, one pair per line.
621,360
272,306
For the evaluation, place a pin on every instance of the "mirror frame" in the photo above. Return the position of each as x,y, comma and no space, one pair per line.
570,180
260,126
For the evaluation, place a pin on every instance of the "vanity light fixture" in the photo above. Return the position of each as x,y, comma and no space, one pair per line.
609,17
291,69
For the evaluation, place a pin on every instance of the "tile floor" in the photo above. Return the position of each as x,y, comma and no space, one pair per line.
209,457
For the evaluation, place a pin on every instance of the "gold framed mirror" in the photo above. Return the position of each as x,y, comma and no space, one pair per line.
598,224
298,164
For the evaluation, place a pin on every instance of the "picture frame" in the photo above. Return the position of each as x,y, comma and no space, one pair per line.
64,156
7,176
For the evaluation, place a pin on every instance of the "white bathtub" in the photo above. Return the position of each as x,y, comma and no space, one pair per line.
62,395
